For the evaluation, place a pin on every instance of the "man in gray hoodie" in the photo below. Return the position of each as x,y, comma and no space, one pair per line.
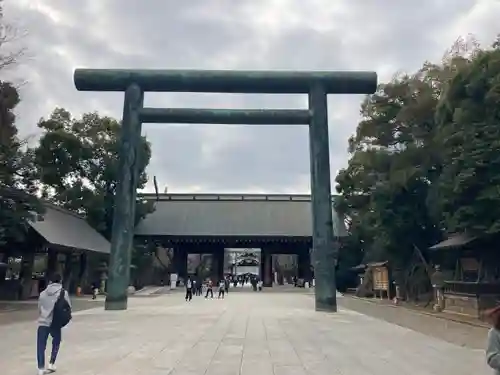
46,303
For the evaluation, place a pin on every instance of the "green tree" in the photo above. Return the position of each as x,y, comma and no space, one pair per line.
18,205
393,163
468,191
385,186
389,187
396,159
78,165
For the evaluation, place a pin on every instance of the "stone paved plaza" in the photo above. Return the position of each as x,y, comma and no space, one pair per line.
246,333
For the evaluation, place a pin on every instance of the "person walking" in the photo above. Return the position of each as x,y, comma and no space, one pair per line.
54,313
210,291
95,290
189,289
493,344
254,283
226,285
199,287
194,287
222,288
259,285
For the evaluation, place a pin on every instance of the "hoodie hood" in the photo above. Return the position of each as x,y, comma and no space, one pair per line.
53,288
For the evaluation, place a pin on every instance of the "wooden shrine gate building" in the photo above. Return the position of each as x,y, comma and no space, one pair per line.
209,223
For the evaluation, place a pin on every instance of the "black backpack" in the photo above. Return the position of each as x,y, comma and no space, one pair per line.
62,311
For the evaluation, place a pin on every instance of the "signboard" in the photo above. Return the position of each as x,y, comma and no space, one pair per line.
380,278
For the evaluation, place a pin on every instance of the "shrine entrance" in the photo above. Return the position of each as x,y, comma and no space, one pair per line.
317,85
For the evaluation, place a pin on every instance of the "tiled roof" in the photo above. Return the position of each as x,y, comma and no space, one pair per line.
232,215
64,228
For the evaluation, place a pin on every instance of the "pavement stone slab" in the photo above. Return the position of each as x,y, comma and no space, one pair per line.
245,333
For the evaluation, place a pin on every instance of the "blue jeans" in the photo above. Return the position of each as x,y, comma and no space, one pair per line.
42,337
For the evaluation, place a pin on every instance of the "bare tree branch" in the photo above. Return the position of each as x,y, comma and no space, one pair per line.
9,34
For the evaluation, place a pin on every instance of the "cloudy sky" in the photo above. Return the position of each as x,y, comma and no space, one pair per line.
385,36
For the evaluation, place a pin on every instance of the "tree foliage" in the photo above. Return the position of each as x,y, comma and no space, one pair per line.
399,155
384,187
425,161
17,183
78,165
468,116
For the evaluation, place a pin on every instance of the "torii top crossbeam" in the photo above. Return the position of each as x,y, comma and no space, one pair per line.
230,81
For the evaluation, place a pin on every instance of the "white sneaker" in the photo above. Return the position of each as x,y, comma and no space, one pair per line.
51,367
41,372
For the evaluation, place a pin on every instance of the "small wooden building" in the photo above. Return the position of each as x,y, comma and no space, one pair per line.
61,236
471,267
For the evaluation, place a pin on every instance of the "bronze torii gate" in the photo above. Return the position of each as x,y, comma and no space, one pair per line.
135,82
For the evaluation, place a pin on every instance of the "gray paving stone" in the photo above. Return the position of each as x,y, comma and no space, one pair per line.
289,370
246,333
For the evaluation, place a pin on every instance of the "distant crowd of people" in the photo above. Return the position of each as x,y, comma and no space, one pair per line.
197,287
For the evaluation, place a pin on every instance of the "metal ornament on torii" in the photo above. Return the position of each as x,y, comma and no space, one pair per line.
317,85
